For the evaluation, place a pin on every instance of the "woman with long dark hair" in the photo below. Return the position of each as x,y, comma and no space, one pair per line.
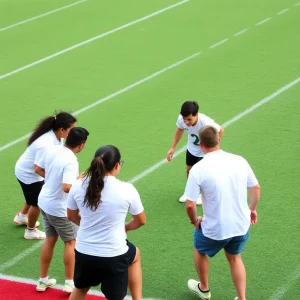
99,204
49,132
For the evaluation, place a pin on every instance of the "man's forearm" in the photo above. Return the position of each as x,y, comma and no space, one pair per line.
254,195
177,137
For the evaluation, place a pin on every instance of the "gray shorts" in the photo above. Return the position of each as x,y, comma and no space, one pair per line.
61,226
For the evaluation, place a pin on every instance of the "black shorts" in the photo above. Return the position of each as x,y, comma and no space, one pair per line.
191,159
31,191
110,272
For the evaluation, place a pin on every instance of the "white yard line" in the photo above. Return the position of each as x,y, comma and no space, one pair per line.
41,16
283,11
148,171
297,4
263,21
129,87
57,286
219,43
241,32
281,291
92,39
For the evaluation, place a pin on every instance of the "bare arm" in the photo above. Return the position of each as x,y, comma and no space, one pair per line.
254,195
177,136
66,187
40,171
136,222
191,210
74,216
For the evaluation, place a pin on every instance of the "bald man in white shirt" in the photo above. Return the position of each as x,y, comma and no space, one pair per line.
224,180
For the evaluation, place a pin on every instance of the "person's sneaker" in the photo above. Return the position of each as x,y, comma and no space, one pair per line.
41,286
34,234
182,199
68,287
193,286
199,200
236,298
23,220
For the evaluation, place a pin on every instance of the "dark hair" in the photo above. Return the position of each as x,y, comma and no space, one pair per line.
189,107
105,159
209,136
61,120
76,137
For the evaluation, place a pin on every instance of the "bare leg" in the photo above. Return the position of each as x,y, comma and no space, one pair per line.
202,267
47,254
135,277
238,274
33,215
25,209
79,294
69,259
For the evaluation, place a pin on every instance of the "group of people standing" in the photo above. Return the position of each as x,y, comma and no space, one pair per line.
88,210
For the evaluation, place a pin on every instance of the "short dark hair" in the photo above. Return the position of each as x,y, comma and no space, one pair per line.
189,107
76,137
209,136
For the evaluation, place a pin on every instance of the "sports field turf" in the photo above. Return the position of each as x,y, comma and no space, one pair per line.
141,59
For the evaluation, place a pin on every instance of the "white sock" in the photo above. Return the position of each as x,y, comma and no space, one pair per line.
69,281
45,279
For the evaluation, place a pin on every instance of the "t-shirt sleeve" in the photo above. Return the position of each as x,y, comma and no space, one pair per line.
71,203
209,121
70,173
192,188
179,122
39,159
251,179
136,206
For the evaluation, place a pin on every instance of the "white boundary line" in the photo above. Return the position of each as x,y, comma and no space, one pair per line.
241,32
281,291
41,16
57,286
283,11
263,21
219,43
92,39
129,87
164,161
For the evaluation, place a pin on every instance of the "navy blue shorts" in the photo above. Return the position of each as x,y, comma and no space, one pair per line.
210,247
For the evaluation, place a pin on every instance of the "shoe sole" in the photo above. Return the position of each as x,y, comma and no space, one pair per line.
68,291
35,238
20,223
198,294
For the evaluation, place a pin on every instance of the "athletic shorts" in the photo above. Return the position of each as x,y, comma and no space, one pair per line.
110,272
61,226
31,191
210,247
191,159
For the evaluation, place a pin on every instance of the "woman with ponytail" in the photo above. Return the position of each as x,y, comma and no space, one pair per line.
99,204
49,132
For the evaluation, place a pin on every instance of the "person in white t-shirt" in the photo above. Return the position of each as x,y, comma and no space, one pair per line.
49,132
99,204
190,121
59,167
224,180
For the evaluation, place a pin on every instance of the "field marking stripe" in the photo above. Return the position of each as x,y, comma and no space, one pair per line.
281,291
92,39
41,16
283,11
164,161
263,21
57,286
129,87
241,32
219,43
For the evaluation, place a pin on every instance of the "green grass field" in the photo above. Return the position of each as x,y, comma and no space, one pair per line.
257,56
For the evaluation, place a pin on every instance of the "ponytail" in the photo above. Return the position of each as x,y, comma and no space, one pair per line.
61,120
95,173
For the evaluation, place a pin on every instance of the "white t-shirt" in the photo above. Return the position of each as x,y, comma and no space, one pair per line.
102,232
24,169
223,179
193,144
61,166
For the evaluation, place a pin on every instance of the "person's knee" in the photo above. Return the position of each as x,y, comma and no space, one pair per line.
233,258
70,243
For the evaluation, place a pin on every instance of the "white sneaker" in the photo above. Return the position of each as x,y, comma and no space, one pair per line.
182,199
193,286
21,220
68,287
34,234
41,286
